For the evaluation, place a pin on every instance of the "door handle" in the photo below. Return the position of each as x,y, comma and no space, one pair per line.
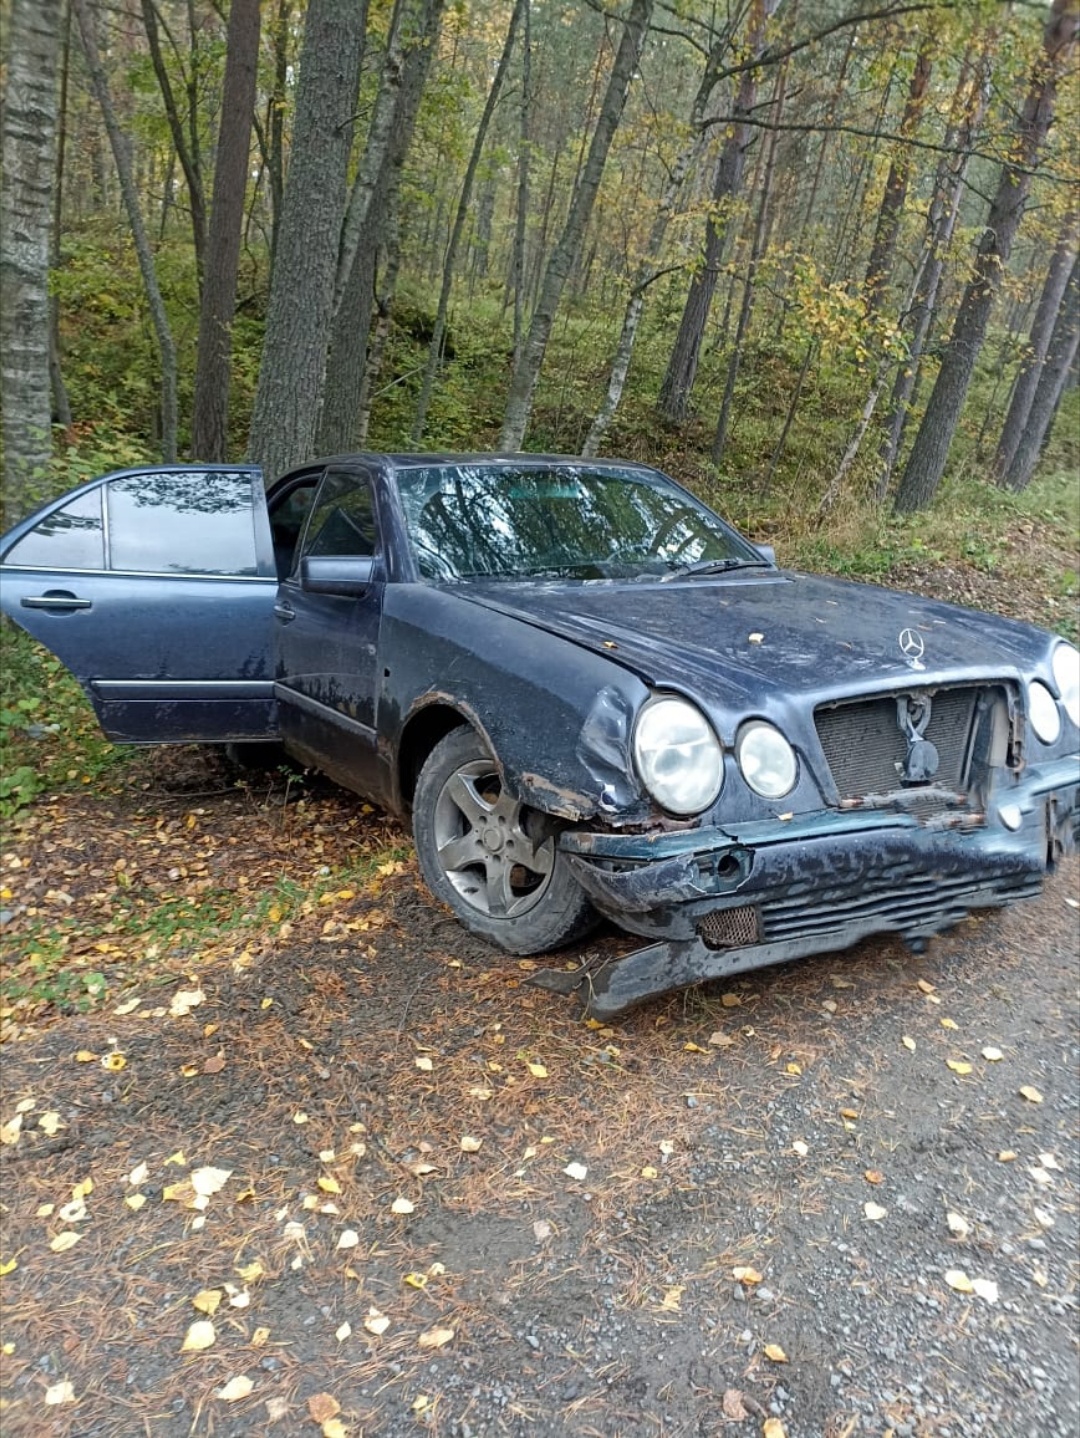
285,612
55,601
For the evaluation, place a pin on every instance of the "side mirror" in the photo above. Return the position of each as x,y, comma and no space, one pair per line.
348,574
767,552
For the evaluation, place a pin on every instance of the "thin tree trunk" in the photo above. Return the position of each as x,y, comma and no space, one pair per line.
464,200
880,265
61,404
291,378
1027,381
757,249
970,100
340,414
926,463
378,138
29,134
210,420
122,156
531,359
384,303
275,162
524,156
678,381
186,154
1060,353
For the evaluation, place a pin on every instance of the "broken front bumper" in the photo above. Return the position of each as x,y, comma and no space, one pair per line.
722,900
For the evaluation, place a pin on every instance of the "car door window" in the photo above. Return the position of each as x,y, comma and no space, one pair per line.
342,519
176,523
70,538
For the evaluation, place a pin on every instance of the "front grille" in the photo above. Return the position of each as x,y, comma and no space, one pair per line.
865,746
903,900
730,928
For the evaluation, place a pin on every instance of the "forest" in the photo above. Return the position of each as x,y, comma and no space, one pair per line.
814,257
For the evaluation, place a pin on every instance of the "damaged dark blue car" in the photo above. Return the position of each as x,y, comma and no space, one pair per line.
591,694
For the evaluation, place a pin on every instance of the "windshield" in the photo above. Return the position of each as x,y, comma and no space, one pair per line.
469,521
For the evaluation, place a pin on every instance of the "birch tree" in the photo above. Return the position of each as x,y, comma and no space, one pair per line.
29,135
530,360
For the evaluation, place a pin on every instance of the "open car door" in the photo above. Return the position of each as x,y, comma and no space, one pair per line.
155,587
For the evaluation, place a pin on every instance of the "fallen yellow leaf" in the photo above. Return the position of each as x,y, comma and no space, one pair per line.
343,1331
63,1241
415,1280
402,1205
773,1429
874,1212
775,1352
470,1145
85,1056
207,1301
376,1322
992,1055
61,1392
236,1388
673,1298
926,987
909,1043
435,1337
538,1071
956,1278
322,1407
259,1337
328,1184
424,1064
948,1023
251,1271
648,1171
199,1336
8,1265
746,1275
208,1181
958,1066
1031,1094
50,1124
730,1001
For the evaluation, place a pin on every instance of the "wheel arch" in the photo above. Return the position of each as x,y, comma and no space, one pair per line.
429,723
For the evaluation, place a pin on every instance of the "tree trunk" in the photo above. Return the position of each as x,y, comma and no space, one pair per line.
879,267
61,404
275,162
969,104
435,349
337,428
291,378
1053,373
678,381
210,421
122,156
186,153
29,135
378,139
926,463
757,249
521,211
527,368
1027,381
384,303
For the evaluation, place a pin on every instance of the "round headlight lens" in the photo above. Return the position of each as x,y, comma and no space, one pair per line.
1066,667
678,756
767,760
1043,712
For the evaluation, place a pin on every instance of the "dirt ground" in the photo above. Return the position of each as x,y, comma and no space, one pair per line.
402,1191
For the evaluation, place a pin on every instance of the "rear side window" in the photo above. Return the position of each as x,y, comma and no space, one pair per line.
69,538
342,519
177,523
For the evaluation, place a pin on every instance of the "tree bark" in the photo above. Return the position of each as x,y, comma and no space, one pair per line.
521,210
757,249
340,416
880,264
464,200
291,378
678,381
531,359
210,420
122,156
29,135
968,109
926,464
1053,373
1027,381
61,404
186,153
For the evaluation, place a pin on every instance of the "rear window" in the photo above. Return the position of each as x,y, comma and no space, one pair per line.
69,538
177,523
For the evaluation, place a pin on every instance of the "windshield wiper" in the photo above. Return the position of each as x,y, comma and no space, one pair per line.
713,566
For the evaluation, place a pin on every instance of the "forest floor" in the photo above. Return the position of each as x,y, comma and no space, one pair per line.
293,1119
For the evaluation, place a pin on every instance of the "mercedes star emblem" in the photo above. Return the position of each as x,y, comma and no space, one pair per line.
911,645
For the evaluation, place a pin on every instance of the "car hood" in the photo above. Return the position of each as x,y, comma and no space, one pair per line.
729,638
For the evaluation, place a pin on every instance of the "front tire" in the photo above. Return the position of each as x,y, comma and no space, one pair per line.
493,861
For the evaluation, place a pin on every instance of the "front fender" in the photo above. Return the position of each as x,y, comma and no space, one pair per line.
557,716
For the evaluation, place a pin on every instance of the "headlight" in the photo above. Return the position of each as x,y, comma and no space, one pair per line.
767,760
1066,667
678,756
1043,712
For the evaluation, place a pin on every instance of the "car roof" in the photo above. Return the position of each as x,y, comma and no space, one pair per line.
416,460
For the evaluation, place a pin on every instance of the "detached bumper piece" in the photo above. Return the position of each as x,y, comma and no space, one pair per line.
721,902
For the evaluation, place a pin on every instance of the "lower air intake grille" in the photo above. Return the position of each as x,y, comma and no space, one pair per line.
866,747
730,928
